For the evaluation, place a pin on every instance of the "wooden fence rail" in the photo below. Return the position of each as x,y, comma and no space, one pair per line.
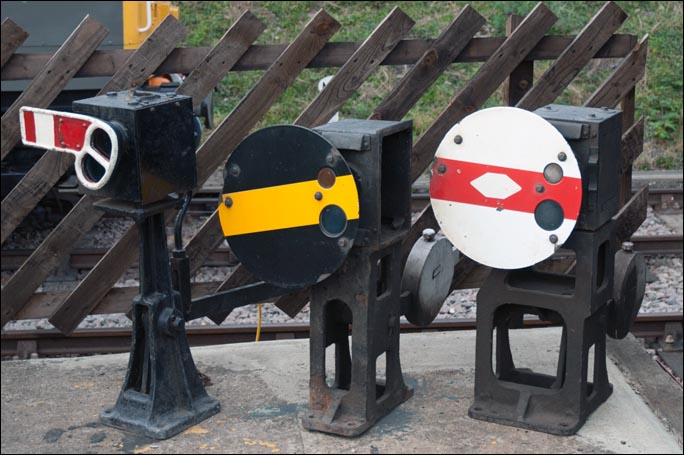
507,60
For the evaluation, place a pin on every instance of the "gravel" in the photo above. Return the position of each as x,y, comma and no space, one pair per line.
663,289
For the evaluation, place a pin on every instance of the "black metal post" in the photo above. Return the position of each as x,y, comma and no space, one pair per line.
162,393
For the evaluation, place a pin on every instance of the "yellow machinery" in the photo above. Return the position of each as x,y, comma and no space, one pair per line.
141,18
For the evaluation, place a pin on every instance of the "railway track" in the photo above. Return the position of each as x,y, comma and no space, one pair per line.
24,343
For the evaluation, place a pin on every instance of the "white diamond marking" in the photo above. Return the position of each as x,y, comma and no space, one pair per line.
497,186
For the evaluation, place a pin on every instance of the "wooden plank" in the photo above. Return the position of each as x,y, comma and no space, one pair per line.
151,53
118,300
31,189
444,50
214,150
222,57
631,215
582,49
12,37
623,79
53,77
44,260
292,304
51,166
628,105
632,145
357,69
261,57
480,87
264,93
520,80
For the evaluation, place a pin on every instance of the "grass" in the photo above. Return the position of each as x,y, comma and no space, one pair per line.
659,94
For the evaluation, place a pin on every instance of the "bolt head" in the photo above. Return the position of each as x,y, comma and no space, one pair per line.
539,188
627,246
458,139
441,168
228,202
429,234
318,196
562,156
553,238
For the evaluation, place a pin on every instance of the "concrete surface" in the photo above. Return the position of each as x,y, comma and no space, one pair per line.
52,405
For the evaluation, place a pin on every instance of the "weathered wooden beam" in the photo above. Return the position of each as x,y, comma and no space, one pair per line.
444,50
222,57
357,69
118,300
520,81
623,79
632,145
52,78
578,53
631,215
261,57
12,37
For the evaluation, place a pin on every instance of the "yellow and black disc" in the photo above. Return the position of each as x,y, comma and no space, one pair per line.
289,208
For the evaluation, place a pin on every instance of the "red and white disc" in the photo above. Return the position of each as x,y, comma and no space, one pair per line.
506,188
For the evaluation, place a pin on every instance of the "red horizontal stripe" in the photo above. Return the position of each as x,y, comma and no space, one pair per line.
30,126
455,185
70,132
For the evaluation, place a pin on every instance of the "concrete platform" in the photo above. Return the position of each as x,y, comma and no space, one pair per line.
52,405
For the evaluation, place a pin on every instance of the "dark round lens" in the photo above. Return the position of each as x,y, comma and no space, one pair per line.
333,221
553,173
326,177
549,215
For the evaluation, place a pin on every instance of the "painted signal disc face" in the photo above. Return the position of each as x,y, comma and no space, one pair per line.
290,207
505,187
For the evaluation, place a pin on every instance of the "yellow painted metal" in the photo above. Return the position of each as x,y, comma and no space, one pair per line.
285,206
135,18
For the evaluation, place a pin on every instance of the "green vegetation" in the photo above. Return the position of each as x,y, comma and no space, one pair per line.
659,94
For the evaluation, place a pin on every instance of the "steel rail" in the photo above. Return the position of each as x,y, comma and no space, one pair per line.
51,342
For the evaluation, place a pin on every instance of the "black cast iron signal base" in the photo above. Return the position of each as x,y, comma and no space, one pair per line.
364,293
557,404
162,394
